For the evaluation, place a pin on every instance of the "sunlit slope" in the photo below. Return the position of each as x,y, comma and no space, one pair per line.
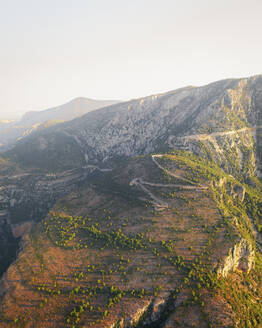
176,249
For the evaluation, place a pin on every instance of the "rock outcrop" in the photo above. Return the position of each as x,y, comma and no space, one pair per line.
241,257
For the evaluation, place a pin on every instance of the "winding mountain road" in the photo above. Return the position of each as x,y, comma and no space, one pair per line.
157,202
202,137
193,186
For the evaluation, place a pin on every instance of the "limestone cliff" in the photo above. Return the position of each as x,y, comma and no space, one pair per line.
241,257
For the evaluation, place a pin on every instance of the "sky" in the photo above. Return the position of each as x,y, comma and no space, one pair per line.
55,50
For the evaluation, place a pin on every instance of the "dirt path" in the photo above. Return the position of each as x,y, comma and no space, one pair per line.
157,202
193,186
202,137
220,134
168,172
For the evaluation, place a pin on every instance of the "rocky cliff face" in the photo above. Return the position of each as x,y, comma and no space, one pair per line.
241,257
176,119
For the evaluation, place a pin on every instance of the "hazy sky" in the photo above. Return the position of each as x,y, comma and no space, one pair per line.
55,50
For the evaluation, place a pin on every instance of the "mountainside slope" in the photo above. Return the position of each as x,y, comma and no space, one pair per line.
148,124
175,249
143,214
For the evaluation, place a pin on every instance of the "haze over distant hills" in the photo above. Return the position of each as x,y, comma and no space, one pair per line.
11,130
72,109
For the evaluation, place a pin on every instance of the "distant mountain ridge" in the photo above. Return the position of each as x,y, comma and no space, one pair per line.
11,131
66,112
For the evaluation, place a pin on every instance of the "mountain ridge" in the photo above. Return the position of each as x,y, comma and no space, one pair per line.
12,131
69,110
104,131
